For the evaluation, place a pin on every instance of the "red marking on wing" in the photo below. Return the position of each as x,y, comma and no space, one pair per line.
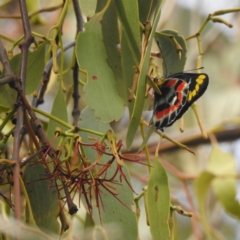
165,112
172,108
180,97
181,86
171,83
160,114
94,78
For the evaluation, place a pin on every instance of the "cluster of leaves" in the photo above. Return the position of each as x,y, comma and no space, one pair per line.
112,60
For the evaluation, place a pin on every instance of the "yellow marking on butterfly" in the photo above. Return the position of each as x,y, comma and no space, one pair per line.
189,96
194,93
200,79
197,87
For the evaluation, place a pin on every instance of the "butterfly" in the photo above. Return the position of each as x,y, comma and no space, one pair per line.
179,92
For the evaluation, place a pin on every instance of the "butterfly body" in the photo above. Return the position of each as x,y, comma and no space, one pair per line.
179,91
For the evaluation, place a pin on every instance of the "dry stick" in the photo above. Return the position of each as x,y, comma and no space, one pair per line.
5,62
46,75
35,122
192,140
78,15
33,137
24,46
76,95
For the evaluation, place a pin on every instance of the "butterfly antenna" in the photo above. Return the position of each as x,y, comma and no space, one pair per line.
194,69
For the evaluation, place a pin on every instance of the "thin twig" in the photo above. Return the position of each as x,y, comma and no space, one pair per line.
78,15
76,95
24,46
46,75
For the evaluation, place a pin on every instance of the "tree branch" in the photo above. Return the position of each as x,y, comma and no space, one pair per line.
24,46
46,75
197,139
76,95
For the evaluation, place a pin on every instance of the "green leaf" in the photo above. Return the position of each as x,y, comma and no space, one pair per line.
158,202
140,93
43,198
130,54
101,92
118,220
35,67
202,184
128,15
171,62
59,110
88,7
8,97
144,10
111,38
220,164
128,63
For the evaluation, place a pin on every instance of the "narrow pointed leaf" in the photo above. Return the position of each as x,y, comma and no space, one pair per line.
144,10
110,32
158,202
128,15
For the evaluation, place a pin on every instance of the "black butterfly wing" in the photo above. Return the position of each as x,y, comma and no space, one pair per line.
179,91
197,83
168,106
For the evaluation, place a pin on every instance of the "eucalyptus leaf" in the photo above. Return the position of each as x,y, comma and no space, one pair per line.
35,67
158,202
101,92
111,38
172,61
43,198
